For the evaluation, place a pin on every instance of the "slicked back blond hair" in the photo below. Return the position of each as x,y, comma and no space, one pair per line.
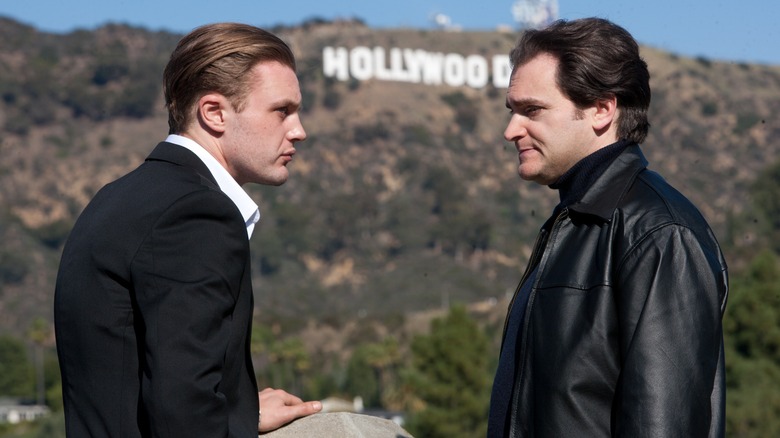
217,58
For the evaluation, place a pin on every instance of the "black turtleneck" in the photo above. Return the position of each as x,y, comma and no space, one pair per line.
573,184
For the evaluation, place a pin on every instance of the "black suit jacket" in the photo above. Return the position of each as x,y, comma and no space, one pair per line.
153,308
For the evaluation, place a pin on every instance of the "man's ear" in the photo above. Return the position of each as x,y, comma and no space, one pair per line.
212,109
605,114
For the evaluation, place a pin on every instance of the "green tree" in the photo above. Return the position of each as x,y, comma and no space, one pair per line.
283,363
16,372
752,336
450,376
292,355
40,334
766,198
384,358
361,379
280,363
51,427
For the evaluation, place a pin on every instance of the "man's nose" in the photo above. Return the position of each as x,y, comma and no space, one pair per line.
515,129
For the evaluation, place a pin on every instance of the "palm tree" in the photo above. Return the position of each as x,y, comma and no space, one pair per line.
41,335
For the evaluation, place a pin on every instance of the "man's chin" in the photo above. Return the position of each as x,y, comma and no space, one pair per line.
275,179
273,182
534,177
526,174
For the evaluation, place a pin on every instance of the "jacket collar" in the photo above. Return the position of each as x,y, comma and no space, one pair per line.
603,196
182,157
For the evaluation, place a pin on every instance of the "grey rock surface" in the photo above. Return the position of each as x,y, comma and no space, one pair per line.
340,425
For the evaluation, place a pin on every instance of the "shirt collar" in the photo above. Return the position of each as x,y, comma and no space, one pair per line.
249,210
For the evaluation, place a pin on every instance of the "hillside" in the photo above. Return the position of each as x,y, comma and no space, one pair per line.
404,198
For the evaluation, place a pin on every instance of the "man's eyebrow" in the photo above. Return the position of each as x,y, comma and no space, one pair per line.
286,103
528,101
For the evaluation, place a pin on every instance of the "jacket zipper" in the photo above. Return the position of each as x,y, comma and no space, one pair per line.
537,254
541,240
531,262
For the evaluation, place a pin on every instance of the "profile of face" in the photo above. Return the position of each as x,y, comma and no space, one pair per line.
258,142
550,133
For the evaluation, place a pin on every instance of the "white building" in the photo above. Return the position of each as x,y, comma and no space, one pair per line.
12,411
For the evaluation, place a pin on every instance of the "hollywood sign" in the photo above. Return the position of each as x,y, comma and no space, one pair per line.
415,66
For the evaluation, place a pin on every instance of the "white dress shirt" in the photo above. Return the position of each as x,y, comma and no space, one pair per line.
249,210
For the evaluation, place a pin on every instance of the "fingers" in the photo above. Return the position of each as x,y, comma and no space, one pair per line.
275,396
304,409
290,413
279,407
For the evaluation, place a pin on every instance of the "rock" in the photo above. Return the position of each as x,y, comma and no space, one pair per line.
340,425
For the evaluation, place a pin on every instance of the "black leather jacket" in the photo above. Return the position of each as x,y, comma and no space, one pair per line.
622,334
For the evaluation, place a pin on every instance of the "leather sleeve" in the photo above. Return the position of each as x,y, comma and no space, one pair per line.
187,275
670,297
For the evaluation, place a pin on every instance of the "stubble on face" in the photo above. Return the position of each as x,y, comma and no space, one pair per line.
548,130
261,137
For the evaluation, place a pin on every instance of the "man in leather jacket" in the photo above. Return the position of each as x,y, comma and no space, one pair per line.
615,328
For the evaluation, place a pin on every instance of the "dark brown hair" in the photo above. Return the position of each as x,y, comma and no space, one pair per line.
597,59
217,58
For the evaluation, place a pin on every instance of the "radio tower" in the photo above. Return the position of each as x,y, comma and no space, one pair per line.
535,14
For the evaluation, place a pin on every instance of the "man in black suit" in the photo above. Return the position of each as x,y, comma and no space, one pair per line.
153,303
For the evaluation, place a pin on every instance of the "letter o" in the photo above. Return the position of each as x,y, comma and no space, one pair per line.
476,71
454,70
361,63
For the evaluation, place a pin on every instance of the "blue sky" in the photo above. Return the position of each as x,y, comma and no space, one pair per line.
737,30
